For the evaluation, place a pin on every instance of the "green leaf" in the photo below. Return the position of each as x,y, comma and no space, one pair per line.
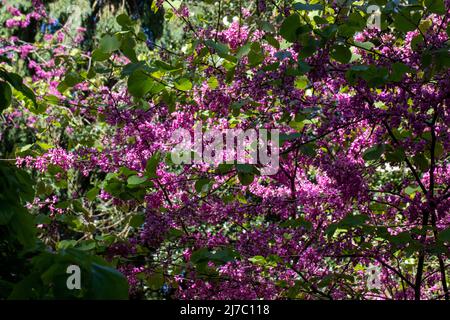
301,82
220,48
124,20
444,235
22,223
411,190
223,255
365,45
71,79
297,125
43,219
152,165
288,137
139,84
309,149
155,6
421,161
48,276
213,83
202,185
174,233
289,27
183,84
303,67
353,221
136,180
401,238
230,75
416,41
109,44
51,99
99,55
92,194
246,178
165,66
5,95
435,6
405,22
86,245
107,283
137,220
156,280
132,67
255,58
374,153
267,26
331,229
357,21
425,25
246,168
243,51
6,212
65,244
398,155
199,255
310,45
307,6
297,223
398,71
224,168
258,260
341,53
25,148
272,41
17,82
128,48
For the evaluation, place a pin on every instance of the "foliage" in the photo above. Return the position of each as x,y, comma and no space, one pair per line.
364,172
